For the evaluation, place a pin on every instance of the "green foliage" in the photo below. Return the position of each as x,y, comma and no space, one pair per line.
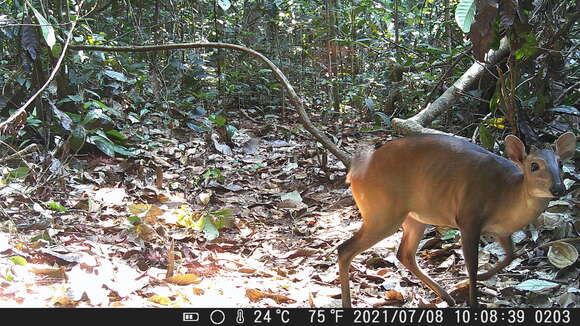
212,222
485,137
221,122
450,234
213,174
18,260
55,206
209,223
528,48
99,96
464,14
19,173
44,236
47,29
134,220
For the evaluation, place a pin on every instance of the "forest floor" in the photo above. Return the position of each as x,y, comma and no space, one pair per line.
191,222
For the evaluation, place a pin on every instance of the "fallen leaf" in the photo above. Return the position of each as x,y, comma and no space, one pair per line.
184,279
383,271
137,209
251,146
394,295
536,285
247,270
302,252
562,254
256,295
447,262
145,232
51,272
222,148
160,300
72,257
204,198
111,196
197,291
63,302
373,278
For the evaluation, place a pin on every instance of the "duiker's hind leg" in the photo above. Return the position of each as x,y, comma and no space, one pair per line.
368,235
412,233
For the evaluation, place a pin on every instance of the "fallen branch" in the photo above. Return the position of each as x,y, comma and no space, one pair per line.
417,123
296,101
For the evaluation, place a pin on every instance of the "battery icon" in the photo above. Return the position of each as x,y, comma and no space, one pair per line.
190,316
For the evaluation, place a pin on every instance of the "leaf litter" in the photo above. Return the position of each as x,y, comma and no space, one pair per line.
199,221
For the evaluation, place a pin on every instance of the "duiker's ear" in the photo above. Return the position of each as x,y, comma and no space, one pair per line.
566,146
515,149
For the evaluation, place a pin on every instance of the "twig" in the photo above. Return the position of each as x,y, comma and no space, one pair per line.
444,77
566,91
561,240
19,154
21,110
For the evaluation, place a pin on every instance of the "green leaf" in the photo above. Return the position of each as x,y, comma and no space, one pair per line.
55,206
217,120
96,114
71,98
46,28
214,174
116,75
134,220
231,130
225,212
104,145
95,103
464,14
223,218
541,103
19,173
210,231
56,50
535,285
450,234
7,275
78,138
43,236
224,4
370,103
528,48
115,134
17,260
566,109
496,42
123,151
381,117
494,102
485,137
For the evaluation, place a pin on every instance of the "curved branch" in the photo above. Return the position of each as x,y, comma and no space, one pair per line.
296,101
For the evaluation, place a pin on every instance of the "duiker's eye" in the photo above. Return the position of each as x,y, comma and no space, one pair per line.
535,166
